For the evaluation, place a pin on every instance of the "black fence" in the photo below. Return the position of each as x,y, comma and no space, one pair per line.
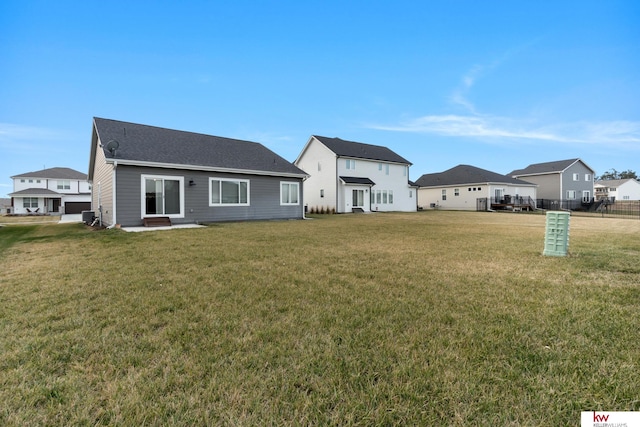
604,208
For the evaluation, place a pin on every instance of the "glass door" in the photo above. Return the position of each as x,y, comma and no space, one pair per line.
357,198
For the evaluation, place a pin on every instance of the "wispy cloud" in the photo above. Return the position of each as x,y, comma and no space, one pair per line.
502,129
471,122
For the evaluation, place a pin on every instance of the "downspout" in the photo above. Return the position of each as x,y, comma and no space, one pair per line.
304,216
113,194
99,202
337,187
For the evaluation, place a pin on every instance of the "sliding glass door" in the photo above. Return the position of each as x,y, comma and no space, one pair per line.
162,196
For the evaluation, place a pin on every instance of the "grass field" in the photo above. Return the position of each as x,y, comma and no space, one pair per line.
432,318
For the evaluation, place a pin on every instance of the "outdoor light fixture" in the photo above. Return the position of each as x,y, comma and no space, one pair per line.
191,183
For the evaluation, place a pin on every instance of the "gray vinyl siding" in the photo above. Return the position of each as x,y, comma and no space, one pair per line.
102,189
579,186
264,196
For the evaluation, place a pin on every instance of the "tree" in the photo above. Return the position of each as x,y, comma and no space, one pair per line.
614,174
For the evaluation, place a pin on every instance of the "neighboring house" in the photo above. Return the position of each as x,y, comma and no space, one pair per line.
5,206
617,189
465,187
354,177
565,183
140,172
51,191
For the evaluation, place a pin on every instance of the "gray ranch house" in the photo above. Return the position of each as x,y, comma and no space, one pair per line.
563,184
466,187
143,173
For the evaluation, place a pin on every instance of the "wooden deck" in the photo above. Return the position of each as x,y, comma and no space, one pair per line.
515,207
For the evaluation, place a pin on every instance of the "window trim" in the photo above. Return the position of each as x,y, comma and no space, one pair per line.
236,180
143,181
290,183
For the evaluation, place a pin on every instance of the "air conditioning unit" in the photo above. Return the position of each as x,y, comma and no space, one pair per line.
88,216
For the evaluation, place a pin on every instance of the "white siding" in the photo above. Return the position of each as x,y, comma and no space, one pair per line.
321,178
338,195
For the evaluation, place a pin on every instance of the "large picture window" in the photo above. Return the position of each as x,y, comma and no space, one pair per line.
229,192
30,202
162,196
289,193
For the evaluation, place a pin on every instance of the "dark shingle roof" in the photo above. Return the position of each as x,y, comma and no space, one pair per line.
143,143
54,173
465,174
547,167
357,180
359,150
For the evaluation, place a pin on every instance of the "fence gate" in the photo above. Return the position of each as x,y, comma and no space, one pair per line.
481,204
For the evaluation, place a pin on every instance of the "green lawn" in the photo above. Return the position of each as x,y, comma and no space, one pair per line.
431,318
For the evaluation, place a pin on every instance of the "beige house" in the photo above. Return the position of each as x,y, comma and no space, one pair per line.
466,187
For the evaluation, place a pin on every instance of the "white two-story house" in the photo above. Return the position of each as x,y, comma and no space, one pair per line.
348,176
618,189
51,191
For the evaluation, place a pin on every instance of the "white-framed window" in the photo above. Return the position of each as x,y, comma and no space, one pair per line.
386,169
322,192
390,197
350,164
289,193
228,192
379,166
384,197
444,194
587,177
30,202
378,196
456,192
23,181
571,194
410,194
64,184
576,177
162,196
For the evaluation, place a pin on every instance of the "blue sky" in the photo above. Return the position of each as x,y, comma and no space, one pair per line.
494,84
